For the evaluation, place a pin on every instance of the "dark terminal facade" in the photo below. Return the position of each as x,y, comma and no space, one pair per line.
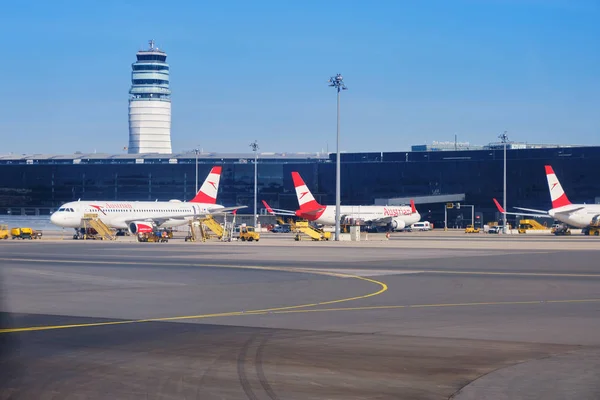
40,183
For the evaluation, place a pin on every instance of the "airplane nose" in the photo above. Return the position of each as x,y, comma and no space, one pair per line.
54,218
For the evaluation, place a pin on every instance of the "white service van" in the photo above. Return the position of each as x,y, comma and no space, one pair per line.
421,226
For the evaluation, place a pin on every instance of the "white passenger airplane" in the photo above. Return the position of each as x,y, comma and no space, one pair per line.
393,217
145,216
577,215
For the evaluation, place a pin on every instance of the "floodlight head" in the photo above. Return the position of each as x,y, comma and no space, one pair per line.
337,82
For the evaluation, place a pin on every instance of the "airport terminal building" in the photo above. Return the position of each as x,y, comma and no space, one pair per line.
40,183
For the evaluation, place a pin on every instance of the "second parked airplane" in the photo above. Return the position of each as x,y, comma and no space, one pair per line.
390,216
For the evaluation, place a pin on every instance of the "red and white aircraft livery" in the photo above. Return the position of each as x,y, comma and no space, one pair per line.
391,216
577,215
145,216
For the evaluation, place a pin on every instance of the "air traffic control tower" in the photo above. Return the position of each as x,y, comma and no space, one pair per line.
150,103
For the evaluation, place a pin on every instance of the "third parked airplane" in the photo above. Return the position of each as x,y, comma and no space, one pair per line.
577,215
390,216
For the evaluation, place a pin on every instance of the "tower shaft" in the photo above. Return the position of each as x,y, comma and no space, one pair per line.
150,103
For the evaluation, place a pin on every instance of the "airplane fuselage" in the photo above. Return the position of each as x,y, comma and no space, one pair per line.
117,214
580,218
351,214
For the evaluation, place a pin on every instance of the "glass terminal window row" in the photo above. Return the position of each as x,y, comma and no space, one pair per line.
151,57
150,96
150,67
150,82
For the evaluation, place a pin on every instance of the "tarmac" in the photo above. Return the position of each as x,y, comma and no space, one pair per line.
424,315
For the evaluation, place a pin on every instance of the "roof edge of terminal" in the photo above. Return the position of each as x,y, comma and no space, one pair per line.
162,156
247,157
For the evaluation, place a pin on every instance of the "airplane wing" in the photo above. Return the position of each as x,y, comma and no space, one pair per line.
160,219
529,215
541,214
532,209
313,212
278,211
569,211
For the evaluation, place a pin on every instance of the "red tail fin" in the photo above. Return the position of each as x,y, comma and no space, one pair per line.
306,200
499,206
557,194
412,207
269,209
208,191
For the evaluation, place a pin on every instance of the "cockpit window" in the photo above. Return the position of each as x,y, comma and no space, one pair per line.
61,209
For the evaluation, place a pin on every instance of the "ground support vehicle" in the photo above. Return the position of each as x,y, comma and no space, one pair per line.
248,234
153,237
22,233
594,228
4,232
471,229
561,230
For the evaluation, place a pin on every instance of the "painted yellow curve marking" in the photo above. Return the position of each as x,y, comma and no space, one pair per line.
383,288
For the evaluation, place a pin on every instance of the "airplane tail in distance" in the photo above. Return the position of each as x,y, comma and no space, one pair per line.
208,191
268,207
412,207
499,206
306,200
557,194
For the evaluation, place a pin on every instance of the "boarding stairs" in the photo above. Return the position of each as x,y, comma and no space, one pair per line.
210,224
526,225
304,228
195,232
207,228
91,223
289,222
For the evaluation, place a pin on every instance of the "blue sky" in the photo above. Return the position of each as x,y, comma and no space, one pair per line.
417,71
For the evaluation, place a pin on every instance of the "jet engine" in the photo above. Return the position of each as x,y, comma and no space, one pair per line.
140,227
397,224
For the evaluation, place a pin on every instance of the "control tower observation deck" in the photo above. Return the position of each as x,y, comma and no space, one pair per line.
150,103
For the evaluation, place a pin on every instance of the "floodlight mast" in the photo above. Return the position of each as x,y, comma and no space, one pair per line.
338,83
196,151
504,139
254,146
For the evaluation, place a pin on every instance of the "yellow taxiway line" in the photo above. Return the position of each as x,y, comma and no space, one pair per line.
382,288
302,308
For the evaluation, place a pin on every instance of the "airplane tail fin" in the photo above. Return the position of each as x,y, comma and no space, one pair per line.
210,187
499,206
268,207
306,200
557,194
412,207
